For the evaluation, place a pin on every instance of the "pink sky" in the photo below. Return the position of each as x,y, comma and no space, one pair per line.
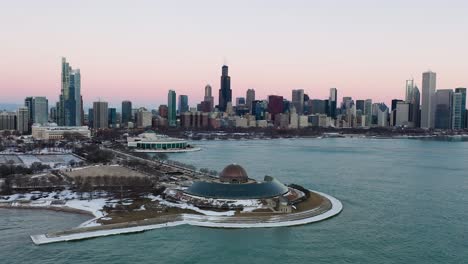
138,51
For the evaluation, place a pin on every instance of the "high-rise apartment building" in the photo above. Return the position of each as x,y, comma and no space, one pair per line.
225,92
171,108
427,104
7,120
22,119
70,101
100,115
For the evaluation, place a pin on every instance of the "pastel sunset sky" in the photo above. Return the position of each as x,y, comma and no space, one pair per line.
138,50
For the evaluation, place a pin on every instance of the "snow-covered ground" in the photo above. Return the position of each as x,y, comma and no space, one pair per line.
197,220
191,207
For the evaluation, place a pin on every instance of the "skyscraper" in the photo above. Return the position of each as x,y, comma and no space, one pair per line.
225,92
208,100
457,111
126,112
463,106
22,119
427,106
100,115
409,90
443,109
250,97
112,117
7,120
38,110
415,117
332,100
275,105
298,100
171,107
70,103
183,104
368,111
360,105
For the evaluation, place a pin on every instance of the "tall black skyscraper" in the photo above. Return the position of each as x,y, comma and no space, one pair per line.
225,92
126,112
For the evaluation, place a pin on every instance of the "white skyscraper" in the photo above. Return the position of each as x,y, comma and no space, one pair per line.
427,106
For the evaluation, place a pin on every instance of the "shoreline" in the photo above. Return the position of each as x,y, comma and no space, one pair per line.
195,220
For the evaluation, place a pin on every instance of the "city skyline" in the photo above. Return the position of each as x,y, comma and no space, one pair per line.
292,46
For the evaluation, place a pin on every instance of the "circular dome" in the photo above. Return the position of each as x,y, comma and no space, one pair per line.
233,173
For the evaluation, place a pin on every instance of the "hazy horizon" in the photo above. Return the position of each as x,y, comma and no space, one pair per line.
138,51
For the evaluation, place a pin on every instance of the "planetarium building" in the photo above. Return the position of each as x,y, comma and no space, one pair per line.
234,183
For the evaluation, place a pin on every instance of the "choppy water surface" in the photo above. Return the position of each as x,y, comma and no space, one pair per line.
405,201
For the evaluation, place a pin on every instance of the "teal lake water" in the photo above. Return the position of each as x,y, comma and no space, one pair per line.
405,201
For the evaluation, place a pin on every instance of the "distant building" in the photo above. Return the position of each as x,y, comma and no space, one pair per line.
275,105
208,100
443,109
332,100
427,105
368,112
100,115
298,100
360,105
225,92
183,104
112,117
240,101
126,112
463,106
382,115
22,120
144,118
163,111
38,110
7,120
53,132
317,106
70,101
403,114
250,97
171,108
457,110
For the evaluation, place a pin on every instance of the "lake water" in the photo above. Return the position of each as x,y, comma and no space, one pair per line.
405,201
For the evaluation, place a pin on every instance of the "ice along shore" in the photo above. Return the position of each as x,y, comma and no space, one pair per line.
301,218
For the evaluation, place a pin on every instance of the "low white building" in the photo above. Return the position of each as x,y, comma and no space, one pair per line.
53,132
